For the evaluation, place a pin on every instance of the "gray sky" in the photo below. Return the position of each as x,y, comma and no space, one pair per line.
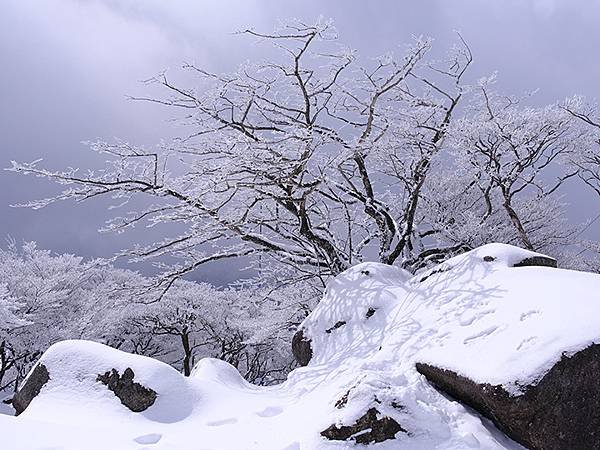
67,66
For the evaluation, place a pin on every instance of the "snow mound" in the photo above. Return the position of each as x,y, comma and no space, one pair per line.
355,308
505,325
74,391
217,371
476,314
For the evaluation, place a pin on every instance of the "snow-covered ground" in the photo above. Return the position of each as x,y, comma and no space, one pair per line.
477,316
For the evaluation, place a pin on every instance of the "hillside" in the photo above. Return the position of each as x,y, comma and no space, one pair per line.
386,355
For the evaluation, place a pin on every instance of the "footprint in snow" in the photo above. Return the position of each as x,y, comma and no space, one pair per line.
528,314
294,446
270,411
471,441
481,334
146,439
218,423
526,343
468,318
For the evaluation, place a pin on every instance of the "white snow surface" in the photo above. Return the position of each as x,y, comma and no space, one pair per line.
486,320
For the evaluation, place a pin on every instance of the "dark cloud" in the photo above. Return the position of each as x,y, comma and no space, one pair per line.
67,66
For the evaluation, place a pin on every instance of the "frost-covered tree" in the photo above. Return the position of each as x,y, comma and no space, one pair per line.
45,298
45,292
587,161
512,159
315,158
587,164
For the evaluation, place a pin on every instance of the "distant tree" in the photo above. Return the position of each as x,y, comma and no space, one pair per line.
587,161
46,291
249,328
10,319
513,159
187,317
45,298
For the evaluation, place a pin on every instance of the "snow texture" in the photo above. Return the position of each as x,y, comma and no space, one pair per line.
475,314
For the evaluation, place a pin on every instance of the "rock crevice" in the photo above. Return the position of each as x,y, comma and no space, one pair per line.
133,395
369,428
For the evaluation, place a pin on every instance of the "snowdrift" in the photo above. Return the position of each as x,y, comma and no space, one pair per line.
498,329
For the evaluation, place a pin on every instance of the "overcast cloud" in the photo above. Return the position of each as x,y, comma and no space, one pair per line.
67,66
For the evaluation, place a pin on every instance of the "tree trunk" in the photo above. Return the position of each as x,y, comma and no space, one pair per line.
187,353
523,237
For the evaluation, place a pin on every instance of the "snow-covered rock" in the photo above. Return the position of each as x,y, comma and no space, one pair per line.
356,302
86,378
557,412
133,395
488,317
488,327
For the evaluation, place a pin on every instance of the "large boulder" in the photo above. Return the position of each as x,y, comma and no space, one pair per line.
355,304
558,412
31,387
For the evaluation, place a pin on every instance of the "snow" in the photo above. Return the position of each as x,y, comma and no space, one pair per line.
507,325
486,320
73,389
479,317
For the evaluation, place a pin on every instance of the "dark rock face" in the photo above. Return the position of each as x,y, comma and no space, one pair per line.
558,413
301,348
367,429
338,324
32,387
133,395
343,400
543,261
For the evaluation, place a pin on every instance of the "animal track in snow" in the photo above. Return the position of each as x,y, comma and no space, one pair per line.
481,334
146,439
525,343
528,314
294,446
468,318
218,423
270,411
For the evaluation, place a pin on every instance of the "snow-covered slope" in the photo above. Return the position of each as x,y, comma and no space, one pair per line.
475,314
